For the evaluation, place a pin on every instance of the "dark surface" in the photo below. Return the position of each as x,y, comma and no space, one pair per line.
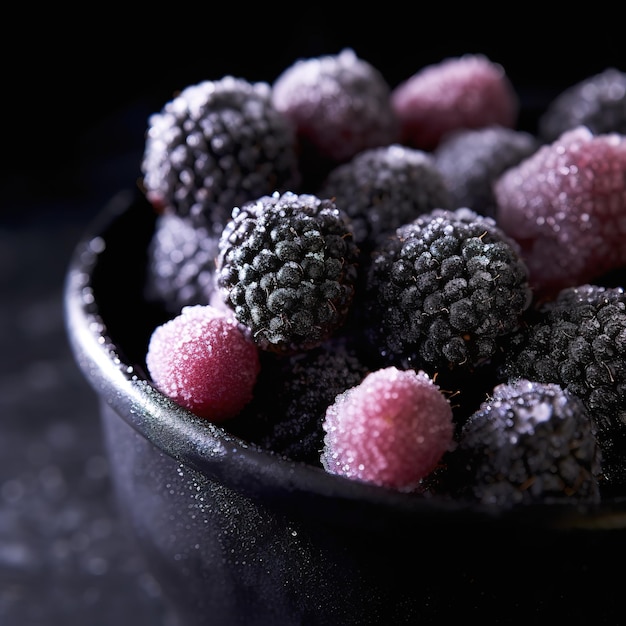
73,123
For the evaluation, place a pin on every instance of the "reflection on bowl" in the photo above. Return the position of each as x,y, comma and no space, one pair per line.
236,535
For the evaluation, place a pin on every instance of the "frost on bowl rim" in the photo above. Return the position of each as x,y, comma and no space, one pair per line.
100,327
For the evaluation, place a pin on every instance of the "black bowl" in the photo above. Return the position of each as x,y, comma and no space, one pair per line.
237,535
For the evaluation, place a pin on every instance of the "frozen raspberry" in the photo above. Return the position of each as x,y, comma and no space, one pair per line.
390,430
470,91
598,102
530,442
566,207
205,361
339,105
471,159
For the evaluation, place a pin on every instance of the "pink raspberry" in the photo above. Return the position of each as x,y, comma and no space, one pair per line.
470,91
204,360
390,430
566,206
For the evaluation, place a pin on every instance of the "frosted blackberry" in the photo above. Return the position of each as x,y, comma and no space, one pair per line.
471,159
529,443
444,291
287,266
578,340
597,102
384,188
216,145
291,397
181,263
339,104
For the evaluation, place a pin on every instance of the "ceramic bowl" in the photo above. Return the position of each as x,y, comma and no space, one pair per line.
236,535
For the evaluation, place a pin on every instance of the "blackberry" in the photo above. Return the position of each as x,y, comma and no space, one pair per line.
471,159
287,266
444,291
578,340
597,102
181,264
529,443
216,145
339,104
291,397
383,188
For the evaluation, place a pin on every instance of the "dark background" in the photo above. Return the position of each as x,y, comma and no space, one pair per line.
76,93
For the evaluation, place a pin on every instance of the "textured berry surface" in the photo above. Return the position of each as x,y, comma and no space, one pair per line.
216,145
339,104
444,290
528,443
470,91
597,102
181,263
287,266
566,206
471,159
578,340
384,188
205,361
390,430
291,397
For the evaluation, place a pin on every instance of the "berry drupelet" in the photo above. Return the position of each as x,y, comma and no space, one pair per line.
529,443
444,291
287,266
216,145
578,340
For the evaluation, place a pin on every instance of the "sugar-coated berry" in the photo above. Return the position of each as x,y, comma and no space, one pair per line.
566,206
469,91
390,430
205,361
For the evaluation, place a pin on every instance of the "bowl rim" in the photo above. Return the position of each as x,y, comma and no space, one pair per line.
210,450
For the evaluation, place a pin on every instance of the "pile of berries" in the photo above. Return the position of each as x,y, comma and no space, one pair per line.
398,284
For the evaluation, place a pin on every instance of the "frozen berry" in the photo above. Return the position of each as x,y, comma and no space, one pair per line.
287,267
528,443
204,360
566,207
181,263
471,159
339,104
597,102
390,430
470,91
444,291
216,145
384,188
